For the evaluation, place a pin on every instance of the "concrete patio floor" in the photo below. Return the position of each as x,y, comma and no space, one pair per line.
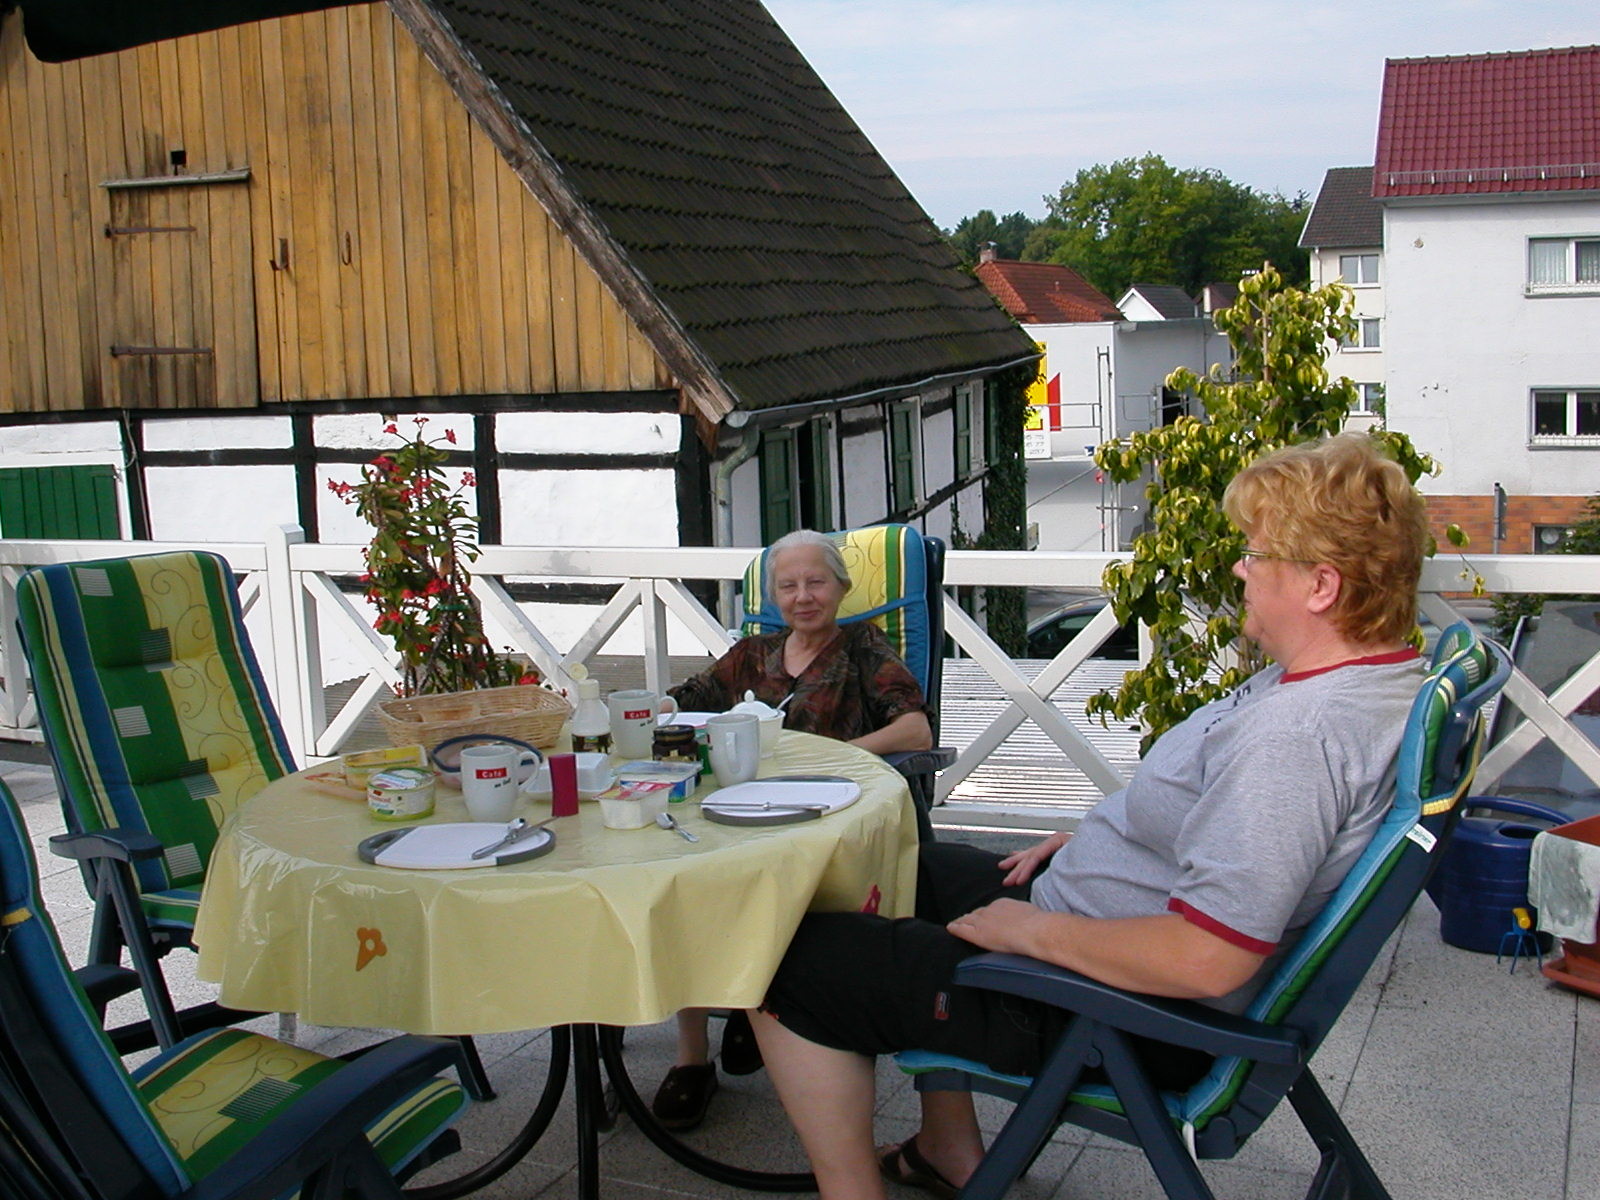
1461,1080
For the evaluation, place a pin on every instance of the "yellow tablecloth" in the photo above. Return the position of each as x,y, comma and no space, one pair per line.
619,927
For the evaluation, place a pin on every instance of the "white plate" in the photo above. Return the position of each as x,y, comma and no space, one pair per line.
755,797
697,719
450,847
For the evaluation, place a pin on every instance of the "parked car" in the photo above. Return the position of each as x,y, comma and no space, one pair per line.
1047,634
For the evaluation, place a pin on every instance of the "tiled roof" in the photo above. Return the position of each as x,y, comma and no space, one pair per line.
1171,301
1490,123
1345,214
1044,293
757,213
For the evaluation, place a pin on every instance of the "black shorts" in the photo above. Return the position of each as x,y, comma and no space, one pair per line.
873,985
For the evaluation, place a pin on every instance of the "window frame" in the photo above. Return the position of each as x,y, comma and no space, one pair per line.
1361,261
1373,403
1570,284
1359,344
1575,398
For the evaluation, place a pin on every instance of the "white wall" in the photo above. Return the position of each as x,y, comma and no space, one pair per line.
1359,366
864,488
219,504
1466,345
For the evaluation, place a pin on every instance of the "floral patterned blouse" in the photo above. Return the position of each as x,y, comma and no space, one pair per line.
855,685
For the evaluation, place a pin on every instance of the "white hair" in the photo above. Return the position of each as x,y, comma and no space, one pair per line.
831,557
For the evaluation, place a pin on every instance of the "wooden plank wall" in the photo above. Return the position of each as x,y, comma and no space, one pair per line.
380,248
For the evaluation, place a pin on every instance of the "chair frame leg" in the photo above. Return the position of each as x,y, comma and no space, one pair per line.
1033,1120
1332,1137
1168,1157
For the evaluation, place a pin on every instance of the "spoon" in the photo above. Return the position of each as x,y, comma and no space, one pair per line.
515,832
668,821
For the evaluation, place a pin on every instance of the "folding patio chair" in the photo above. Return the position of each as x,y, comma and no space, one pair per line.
226,1114
159,726
897,583
1264,1055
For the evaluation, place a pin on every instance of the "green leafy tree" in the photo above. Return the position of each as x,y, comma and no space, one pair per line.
1179,580
1008,233
1141,220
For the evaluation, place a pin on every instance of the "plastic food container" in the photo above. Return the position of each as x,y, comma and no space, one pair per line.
360,767
681,778
634,808
402,794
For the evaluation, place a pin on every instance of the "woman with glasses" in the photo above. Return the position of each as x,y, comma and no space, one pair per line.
1191,882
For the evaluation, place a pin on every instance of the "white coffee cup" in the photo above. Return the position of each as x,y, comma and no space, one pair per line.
735,740
633,720
491,775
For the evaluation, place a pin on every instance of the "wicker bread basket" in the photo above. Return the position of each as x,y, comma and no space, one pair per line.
529,714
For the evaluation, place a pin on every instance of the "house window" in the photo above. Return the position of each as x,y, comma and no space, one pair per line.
1358,269
1564,264
59,502
816,475
1550,539
780,502
1367,336
903,457
1566,417
1369,398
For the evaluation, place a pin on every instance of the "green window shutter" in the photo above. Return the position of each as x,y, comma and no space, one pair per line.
902,458
779,498
993,435
963,439
59,502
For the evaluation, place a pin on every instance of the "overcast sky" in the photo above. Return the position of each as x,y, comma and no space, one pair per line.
982,104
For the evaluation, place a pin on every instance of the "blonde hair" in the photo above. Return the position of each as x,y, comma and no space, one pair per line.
1341,501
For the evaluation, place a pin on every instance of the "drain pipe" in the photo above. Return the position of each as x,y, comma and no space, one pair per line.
722,500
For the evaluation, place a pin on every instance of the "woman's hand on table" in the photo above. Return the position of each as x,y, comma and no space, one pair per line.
1024,864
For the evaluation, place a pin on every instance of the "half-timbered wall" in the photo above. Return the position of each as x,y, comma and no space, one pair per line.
297,209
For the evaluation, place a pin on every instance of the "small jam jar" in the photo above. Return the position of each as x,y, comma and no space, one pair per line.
675,743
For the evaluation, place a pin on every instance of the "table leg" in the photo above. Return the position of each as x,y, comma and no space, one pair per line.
538,1121
639,1111
589,1099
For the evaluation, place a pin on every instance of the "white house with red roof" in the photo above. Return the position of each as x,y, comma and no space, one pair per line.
1103,375
1488,173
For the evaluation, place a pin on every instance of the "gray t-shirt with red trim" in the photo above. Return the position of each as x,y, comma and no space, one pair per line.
1246,817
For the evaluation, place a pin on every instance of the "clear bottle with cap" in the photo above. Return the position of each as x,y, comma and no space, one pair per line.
591,722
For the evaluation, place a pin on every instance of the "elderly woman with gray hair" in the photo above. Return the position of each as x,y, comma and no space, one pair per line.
840,681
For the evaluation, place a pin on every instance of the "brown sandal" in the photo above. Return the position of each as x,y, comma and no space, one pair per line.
904,1164
683,1097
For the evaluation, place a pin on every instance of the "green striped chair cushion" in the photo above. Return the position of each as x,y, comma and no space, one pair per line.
152,703
214,1093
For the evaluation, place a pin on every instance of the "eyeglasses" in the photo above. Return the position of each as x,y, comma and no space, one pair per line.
1247,554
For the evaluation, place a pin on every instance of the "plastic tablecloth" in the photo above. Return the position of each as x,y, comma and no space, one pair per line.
618,927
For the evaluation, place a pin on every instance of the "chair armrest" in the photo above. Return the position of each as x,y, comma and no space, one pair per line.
1181,1022
123,845
327,1118
103,983
921,762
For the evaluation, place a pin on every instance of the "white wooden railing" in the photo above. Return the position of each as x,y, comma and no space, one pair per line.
295,607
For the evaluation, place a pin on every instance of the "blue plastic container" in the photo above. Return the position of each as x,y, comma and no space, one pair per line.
1483,872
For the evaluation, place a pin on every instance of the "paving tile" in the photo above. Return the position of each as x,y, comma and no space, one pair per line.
1583,1153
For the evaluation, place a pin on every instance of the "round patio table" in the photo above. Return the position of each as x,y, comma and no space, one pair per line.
611,928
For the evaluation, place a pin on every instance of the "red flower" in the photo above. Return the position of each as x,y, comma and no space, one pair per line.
419,422
391,427
450,436
528,677
468,479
